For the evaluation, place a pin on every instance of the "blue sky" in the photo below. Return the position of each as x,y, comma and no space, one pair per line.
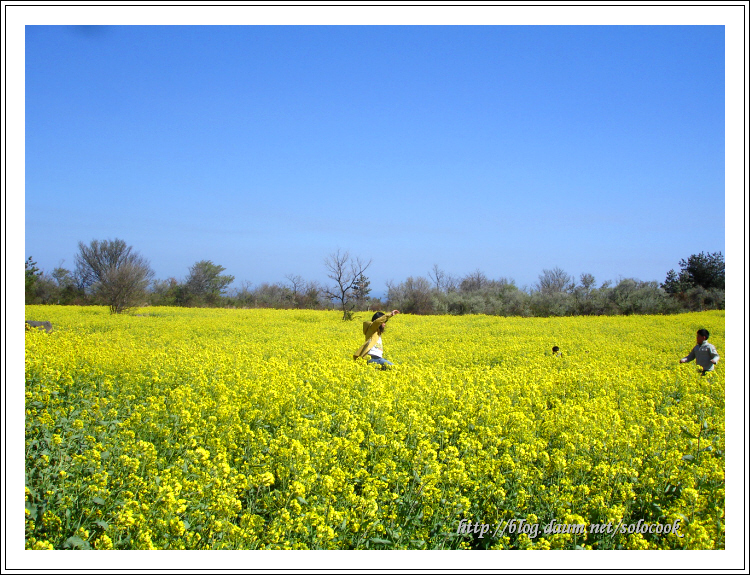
510,149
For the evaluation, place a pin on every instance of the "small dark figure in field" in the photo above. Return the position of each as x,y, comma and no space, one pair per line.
373,345
556,352
703,353
47,326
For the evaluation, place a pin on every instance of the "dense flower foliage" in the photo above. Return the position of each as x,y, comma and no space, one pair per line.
173,428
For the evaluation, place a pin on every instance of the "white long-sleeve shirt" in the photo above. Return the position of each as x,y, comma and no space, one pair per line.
703,354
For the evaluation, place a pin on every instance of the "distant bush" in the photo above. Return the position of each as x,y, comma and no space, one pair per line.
556,294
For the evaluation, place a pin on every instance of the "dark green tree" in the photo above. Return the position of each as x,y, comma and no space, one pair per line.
672,283
705,270
166,292
206,283
699,270
361,290
32,277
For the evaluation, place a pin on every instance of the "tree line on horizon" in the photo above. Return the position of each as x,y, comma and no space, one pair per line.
111,273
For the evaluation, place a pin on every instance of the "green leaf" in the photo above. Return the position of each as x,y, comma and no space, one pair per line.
77,542
302,500
688,457
103,524
687,433
98,501
379,541
186,523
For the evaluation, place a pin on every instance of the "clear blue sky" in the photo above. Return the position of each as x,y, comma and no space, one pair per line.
509,149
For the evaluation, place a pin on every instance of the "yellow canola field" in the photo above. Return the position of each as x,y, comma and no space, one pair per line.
173,428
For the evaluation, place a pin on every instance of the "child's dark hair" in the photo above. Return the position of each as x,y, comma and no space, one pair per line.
555,349
377,315
703,332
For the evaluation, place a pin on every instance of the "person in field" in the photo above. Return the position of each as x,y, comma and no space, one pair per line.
373,345
703,353
556,351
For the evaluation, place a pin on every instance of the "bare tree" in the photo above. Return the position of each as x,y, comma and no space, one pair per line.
450,283
555,281
296,286
412,296
438,277
346,273
588,281
310,298
115,274
124,287
474,281
244,294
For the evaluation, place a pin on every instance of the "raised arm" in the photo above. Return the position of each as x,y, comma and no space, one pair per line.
370,339
378,322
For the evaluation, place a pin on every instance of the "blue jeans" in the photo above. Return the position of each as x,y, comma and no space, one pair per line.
380,361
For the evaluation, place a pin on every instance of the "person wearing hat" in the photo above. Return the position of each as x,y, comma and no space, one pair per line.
373,345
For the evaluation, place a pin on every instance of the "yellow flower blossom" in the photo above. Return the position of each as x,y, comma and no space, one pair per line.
186,428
